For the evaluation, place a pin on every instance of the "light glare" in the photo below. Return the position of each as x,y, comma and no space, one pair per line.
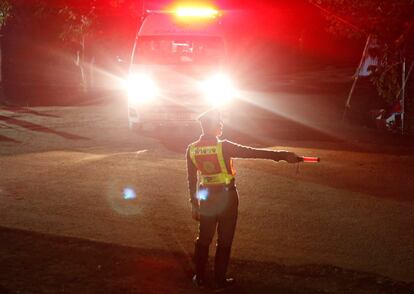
129,194
141,88
202,194
197,12
219,89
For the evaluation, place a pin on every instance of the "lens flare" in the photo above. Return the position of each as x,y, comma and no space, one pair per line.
129,194
124,199
202,194
141,88
219,89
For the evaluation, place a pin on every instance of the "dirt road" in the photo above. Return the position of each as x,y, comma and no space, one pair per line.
344,225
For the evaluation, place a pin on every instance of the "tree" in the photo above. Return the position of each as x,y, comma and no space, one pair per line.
390,21
78,24
74,24
4,11
83,22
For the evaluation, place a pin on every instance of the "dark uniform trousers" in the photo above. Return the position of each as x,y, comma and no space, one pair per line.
217,212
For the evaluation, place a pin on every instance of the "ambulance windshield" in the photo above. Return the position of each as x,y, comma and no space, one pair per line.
181,50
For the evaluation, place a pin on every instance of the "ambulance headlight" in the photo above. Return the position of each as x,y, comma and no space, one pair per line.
218,89
141,89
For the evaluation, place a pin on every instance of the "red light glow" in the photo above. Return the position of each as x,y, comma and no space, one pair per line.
197,12
311,159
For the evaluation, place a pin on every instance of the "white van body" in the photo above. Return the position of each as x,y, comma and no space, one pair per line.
176,58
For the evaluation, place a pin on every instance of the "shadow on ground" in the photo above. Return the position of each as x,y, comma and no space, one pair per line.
39,263
39,128
282,132
26,110
259,133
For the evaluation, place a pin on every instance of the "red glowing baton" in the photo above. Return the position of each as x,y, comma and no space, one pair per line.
310,159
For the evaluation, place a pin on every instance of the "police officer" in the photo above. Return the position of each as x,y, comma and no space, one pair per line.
213,193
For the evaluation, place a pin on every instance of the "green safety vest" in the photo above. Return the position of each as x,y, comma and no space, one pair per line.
210,164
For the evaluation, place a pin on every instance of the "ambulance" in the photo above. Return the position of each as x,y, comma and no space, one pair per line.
178,67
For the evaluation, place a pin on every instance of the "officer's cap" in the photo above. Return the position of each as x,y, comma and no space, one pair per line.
210,116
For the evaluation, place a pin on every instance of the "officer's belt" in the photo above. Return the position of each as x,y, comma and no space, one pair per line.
219,188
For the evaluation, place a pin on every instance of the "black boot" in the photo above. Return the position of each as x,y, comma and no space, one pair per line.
220,268
200,261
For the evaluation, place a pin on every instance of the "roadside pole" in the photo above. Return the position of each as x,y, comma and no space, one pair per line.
403,96
405,76
348,101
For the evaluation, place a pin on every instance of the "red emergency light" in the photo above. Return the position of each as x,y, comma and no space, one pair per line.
196,12
310,159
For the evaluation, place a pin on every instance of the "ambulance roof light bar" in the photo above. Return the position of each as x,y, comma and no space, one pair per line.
197,12
189,12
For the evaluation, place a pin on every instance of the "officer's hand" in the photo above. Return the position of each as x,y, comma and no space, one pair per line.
293,158
195,212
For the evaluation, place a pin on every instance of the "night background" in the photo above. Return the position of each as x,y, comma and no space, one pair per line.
89,204
291,36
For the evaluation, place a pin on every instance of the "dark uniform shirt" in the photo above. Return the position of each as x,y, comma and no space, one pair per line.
230,150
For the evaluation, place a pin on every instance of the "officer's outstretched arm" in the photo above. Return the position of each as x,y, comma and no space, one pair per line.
235,150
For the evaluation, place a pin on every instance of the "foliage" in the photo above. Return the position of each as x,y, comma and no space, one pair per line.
80,18
358,18
390,21
78,23
5,8
386,77
387,83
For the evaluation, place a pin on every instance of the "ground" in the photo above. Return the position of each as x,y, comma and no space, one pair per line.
341,226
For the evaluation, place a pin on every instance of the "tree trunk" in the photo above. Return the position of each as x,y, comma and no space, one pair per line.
82,65
407,40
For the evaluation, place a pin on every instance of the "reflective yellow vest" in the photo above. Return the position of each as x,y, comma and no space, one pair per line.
210,163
